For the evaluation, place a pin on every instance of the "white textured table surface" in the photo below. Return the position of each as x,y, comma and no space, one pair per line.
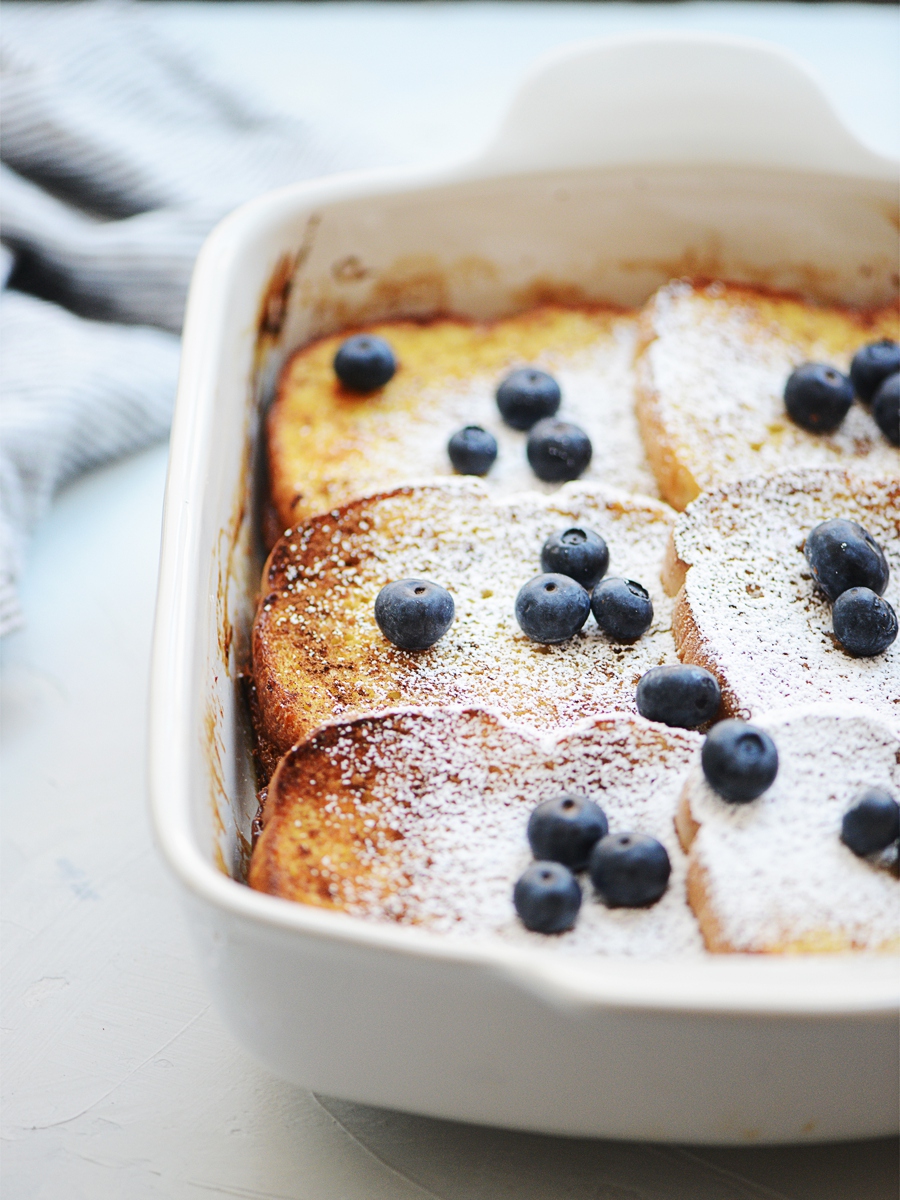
118,1080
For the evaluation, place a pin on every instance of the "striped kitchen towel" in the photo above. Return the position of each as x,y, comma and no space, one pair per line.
119,153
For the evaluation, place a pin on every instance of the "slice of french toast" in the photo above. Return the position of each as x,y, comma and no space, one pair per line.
748,609
318,652
327,445
420,818
712,365
773,876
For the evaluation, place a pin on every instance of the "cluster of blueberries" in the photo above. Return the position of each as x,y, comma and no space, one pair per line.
818,396
553,606
850,568
528,399
570,833
628,870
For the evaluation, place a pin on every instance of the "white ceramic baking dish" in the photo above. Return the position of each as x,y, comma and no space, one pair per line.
621,164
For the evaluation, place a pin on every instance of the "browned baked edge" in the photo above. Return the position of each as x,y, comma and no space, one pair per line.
674,570
691,648
284,716
685,825
280,504
677,485
698,899
819,941
284,863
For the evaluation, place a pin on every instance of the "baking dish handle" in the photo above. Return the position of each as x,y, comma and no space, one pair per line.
672,98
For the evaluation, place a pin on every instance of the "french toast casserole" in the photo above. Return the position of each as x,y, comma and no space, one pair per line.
581,627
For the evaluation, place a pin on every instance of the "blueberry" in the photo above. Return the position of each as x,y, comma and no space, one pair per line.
565,829
579,553
558,450
886,408
622,609
526,396
681,695
872,823
364,363
552,608
414,613
818,397
629,870
547,897
864,624
872,365
739,761
842,555
472,450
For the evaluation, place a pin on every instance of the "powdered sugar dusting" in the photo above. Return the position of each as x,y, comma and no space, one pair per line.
450,793
326,449
318,631
717,368
763,625
777,872
597,385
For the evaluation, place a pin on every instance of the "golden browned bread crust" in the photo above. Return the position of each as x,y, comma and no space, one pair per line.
712,366
318,653
748,609
420,818
773,876
328,445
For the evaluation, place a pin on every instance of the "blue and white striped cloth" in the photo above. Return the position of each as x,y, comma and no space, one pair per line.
119,154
